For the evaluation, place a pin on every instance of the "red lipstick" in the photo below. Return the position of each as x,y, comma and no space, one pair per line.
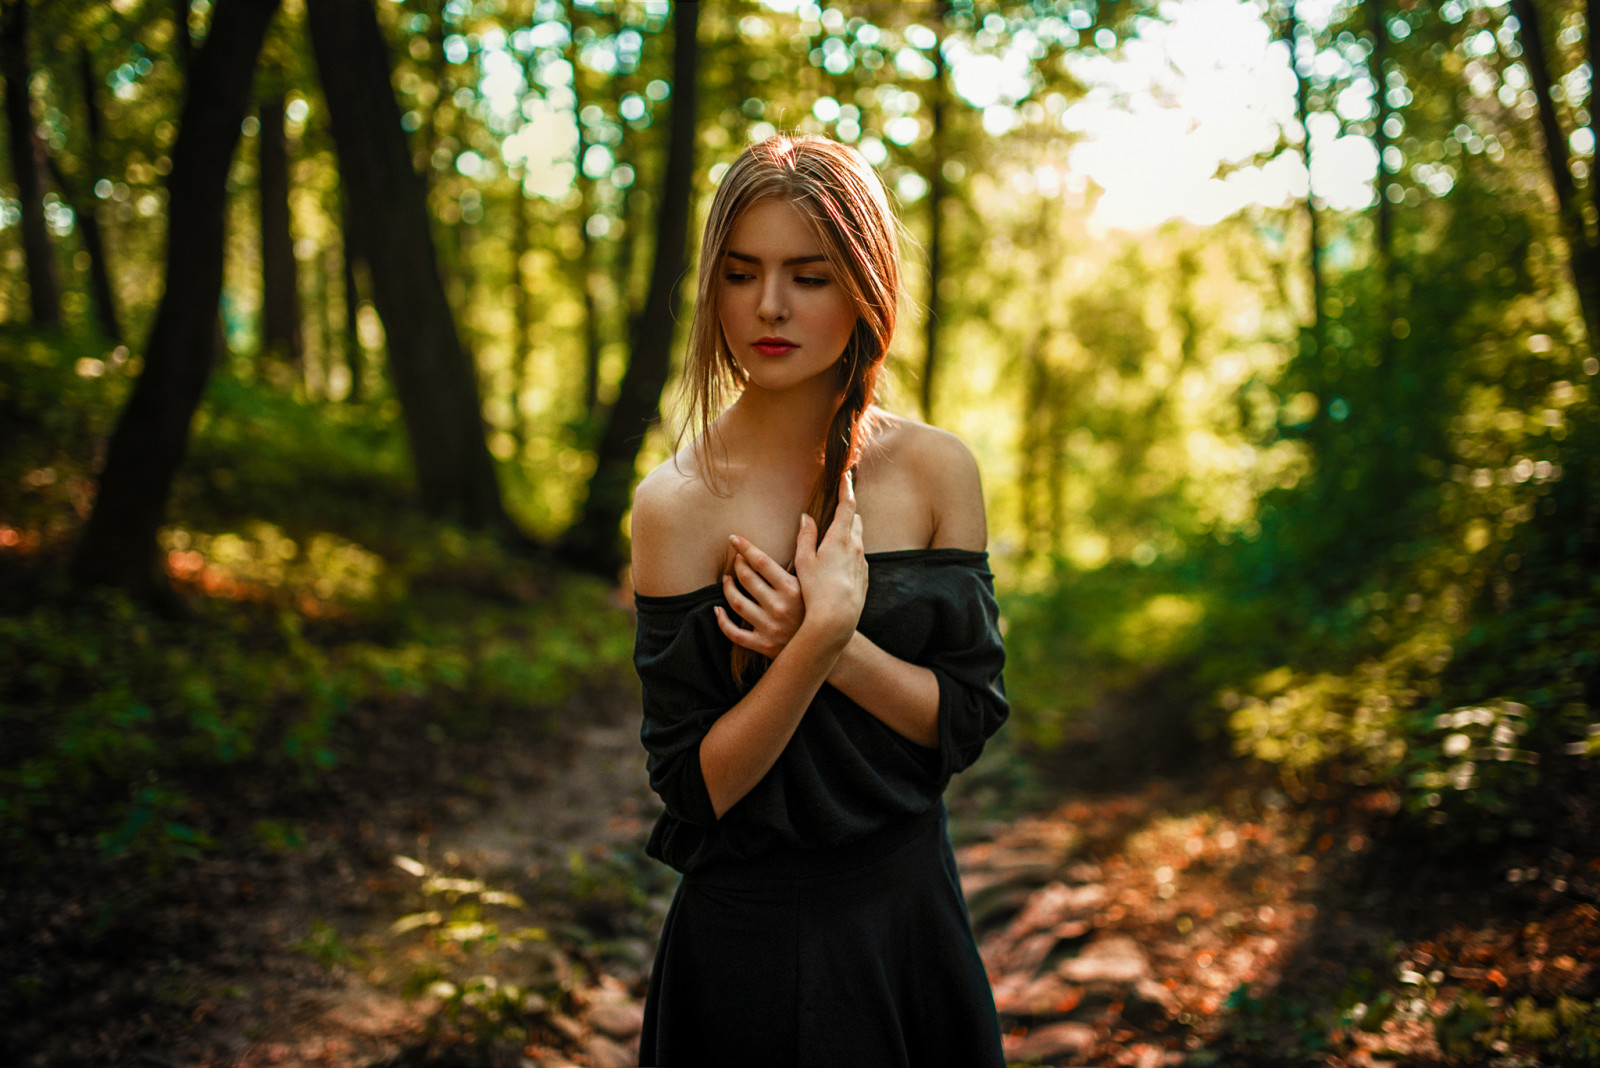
774,346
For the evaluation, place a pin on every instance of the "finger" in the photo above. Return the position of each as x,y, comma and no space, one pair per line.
752,612
737,634
805,542
765,565
755,584
845,512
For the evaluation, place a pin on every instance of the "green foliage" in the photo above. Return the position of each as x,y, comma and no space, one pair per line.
116,717
326,946
258,451
1276,1030
1566,1032
1089,634
58,398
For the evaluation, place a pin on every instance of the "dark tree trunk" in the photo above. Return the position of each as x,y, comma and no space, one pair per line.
180,24
936,198
93,238
1302,110
583,269
83,205
595,541
354,357
1383,229
281,334
388,212
145,450
521,245
27,165
1592,47
1585,263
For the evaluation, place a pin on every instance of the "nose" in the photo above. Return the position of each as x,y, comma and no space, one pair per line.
774,306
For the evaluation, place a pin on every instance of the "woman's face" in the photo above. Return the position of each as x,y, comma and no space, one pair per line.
783,309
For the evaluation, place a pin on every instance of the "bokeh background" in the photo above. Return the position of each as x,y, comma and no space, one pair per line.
335,333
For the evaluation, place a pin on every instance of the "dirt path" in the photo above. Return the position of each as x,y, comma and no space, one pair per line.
1114,929
488,903
514,930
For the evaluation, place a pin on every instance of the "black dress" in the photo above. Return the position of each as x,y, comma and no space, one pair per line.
820,922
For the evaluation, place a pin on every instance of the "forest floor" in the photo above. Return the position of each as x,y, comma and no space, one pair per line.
487,902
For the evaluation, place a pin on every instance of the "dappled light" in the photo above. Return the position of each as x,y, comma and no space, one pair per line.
334,338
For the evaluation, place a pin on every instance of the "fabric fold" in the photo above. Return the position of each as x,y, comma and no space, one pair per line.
844,773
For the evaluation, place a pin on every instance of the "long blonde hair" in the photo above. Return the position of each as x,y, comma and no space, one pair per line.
848,207
846,203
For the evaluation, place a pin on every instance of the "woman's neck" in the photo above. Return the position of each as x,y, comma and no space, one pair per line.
780,427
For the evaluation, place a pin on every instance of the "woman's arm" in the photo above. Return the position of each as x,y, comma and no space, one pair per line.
745,741
903,695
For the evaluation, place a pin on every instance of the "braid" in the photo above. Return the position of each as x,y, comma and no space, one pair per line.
841,451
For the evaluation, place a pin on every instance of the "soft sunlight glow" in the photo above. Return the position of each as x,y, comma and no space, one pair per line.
543,148
1171,126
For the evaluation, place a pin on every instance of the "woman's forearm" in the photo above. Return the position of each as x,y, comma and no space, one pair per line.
744,743
904,696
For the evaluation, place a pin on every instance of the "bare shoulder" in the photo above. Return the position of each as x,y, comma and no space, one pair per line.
946,475
668,530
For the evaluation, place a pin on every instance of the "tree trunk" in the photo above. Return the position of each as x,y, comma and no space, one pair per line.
83,205
27,158
1302,110
354,357
1592,47
521,343
145,450
583,269
432,373
595,541
1583,253
1383,229
936,197
281,333
180,25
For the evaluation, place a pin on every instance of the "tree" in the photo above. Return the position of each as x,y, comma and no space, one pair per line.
281,334
105,303
594,542
1584,252
27,162
1302,110
937,195
388,215
152,433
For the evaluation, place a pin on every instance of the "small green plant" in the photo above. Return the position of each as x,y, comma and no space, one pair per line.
326,946
1276,1030
1565,1032
490,1010
279,836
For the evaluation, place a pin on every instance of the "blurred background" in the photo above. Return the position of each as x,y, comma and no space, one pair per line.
334,335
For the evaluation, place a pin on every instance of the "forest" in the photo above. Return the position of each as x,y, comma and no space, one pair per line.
333,342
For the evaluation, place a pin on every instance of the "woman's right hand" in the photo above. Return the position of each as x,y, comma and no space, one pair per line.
833,574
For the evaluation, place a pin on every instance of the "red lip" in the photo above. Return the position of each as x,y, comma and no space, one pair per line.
773,346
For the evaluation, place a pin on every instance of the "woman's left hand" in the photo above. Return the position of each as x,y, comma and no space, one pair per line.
770,601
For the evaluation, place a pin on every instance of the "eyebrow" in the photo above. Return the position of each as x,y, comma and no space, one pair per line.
792,261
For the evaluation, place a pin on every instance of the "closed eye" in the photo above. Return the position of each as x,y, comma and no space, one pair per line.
812,281
737,276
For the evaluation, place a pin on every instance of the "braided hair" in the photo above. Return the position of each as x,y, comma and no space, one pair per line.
843,198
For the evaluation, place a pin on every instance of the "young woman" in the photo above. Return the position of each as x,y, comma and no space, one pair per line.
801,721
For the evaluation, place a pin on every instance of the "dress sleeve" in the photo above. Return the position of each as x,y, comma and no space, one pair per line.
681,658
967,657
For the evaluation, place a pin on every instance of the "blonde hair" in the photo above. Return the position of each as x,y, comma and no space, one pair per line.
845,201
847,205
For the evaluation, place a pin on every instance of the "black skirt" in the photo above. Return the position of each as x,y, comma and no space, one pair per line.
860,955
